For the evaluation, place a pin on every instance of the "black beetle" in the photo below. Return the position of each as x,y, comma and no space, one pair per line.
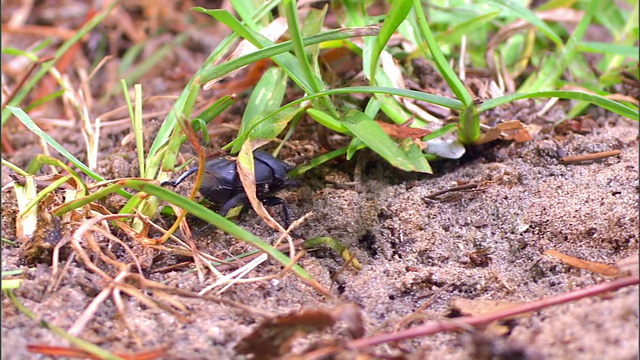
221,183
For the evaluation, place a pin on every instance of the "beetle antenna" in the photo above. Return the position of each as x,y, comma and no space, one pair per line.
180,179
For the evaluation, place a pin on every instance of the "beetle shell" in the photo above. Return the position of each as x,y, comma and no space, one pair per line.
221,181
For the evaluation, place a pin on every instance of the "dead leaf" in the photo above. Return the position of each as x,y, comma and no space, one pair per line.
403,132
510,130
580,125
246,171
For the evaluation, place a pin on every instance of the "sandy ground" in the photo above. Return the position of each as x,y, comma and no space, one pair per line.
418,254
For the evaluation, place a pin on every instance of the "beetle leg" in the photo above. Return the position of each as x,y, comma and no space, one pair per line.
235,201
180,179
273,201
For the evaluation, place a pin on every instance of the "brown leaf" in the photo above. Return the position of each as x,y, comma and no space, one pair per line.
510,130
580,125
402,132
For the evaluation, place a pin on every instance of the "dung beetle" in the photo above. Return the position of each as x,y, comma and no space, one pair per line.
221,182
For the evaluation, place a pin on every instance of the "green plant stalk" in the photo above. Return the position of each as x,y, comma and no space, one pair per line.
27,219
469,125
137,127
469,120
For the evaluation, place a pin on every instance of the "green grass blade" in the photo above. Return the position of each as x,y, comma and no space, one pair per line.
182,109
608,48
33,127
44,99
328,121
452,104
245,10
454,34
85,200
216,220
265,99
396,15
313,23
553,67
275,49
291,13
213,111
317,161
367,130
18,52
286,61
418,95
598,100
14,167
46,191
134,73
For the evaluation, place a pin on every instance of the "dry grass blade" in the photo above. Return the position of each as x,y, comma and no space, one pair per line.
590,157
603,269
79,325
81,354
153,286
236,276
